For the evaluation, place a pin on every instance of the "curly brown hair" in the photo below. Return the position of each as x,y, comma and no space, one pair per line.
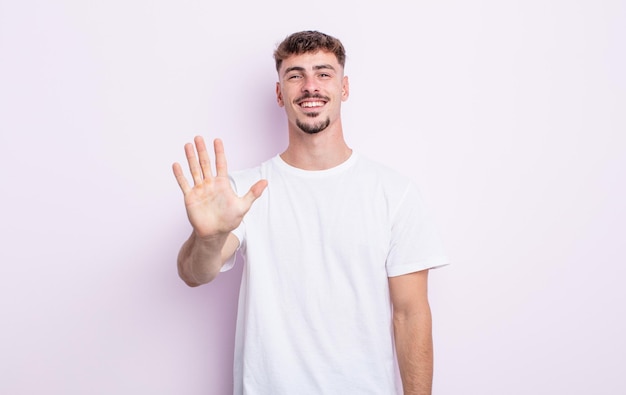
309,41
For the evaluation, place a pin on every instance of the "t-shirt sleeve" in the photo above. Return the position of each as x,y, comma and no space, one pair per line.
239,233
230,262
415,242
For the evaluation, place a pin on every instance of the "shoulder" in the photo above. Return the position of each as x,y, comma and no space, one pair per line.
244,178
383,175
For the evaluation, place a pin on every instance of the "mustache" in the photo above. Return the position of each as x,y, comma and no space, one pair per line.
311,96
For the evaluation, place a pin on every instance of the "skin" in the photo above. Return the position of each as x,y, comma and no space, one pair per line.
313,74
311,89
412,325
213,209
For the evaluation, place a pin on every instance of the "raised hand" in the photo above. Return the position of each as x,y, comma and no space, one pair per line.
213,207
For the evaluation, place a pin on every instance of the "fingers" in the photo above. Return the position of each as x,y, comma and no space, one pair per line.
180,178
221,167
203,156
192,161
200,163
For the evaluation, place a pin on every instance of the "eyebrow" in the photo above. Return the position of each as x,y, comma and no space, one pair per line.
300,68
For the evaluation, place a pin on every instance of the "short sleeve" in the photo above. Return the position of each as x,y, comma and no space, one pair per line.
239,233
415,242
230,263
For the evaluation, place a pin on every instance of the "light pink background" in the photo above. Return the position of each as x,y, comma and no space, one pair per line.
510,115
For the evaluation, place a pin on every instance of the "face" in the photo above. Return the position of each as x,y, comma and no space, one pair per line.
311,87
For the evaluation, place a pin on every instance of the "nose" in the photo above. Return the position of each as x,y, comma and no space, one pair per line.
310,85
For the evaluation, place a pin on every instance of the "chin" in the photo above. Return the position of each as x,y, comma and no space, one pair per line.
313,128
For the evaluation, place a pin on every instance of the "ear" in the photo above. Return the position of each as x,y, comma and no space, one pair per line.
345,88
279,96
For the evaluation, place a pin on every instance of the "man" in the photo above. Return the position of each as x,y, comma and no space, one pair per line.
337,247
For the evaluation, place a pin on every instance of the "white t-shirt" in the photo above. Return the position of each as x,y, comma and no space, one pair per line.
314,309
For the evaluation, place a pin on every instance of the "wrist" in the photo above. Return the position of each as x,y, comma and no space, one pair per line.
211,240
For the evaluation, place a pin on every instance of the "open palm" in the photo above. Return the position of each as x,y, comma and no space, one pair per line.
213,207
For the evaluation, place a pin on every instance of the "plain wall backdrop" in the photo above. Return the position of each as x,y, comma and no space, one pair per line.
509,114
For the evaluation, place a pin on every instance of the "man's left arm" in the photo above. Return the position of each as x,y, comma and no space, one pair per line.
412,323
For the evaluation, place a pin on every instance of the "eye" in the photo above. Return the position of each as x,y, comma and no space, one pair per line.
294,77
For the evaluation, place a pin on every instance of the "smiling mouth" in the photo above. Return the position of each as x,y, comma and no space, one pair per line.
312,104
312,101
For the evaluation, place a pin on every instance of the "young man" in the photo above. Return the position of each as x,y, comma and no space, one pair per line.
337,247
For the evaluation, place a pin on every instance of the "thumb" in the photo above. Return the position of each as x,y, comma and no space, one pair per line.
255,192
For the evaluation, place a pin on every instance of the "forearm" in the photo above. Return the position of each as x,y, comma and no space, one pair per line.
414,349
200,260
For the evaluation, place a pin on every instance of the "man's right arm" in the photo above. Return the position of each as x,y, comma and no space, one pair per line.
200,260
214,211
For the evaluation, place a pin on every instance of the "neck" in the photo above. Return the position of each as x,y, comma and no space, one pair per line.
319,151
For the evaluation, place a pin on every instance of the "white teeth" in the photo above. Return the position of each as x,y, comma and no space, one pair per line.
312,104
